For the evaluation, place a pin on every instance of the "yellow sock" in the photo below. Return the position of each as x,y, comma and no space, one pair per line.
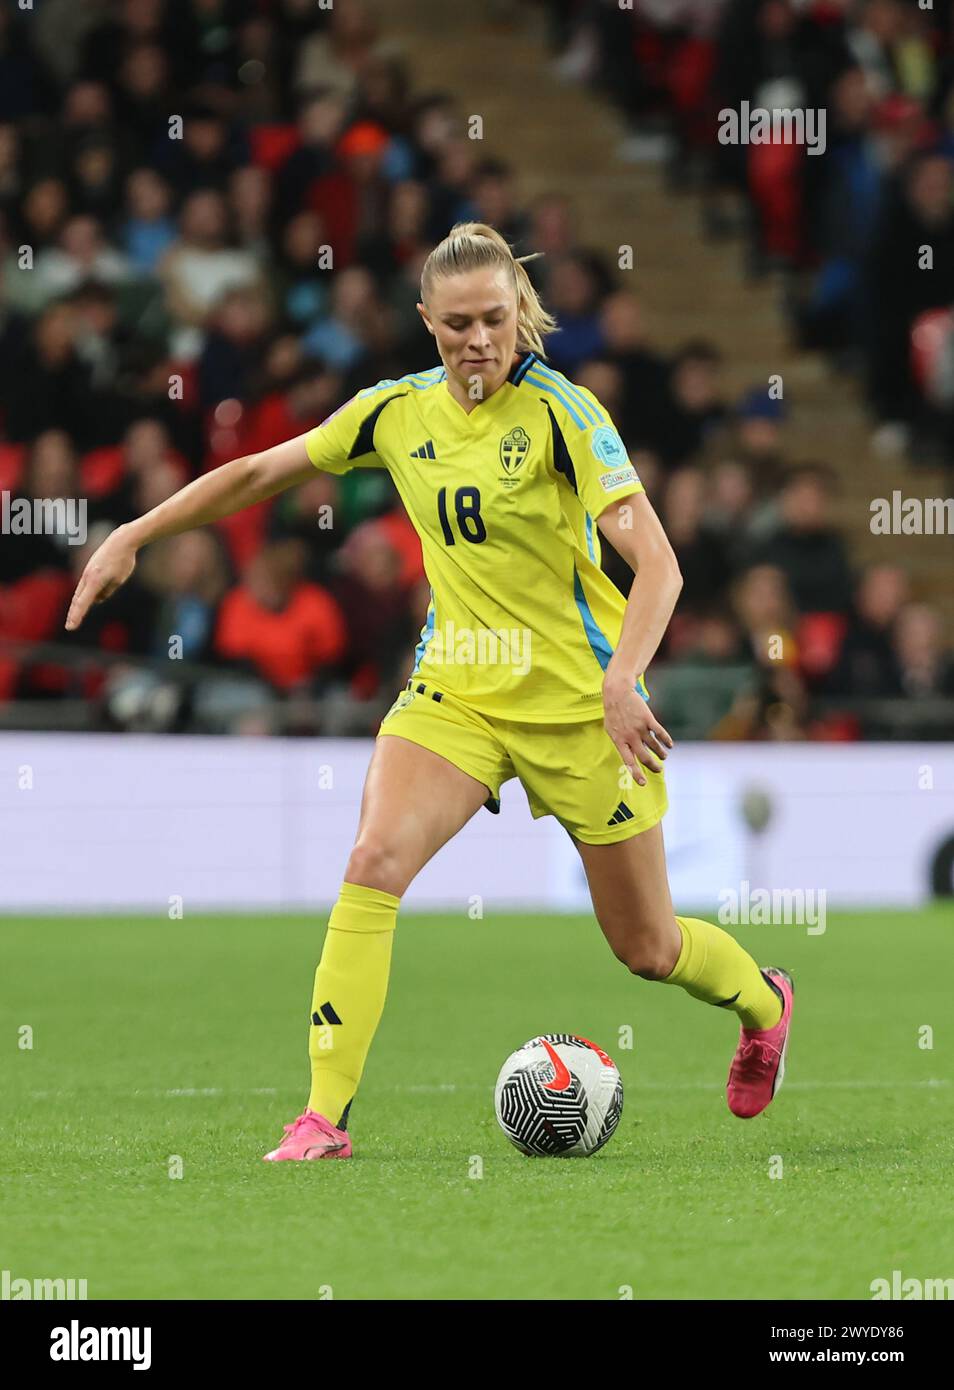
351,984
712,966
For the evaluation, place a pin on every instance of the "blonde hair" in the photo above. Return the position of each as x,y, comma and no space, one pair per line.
473,245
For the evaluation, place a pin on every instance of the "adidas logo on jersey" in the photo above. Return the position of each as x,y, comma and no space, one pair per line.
426,451
622,813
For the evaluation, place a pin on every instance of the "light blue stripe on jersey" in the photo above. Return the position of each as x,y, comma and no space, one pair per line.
531,358
594,635
420,381
569,394
576,393
589,537
550,390
427,632
597,639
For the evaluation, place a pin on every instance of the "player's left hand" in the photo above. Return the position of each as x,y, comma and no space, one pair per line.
633,727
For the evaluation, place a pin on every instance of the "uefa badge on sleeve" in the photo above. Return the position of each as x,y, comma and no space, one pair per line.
608,447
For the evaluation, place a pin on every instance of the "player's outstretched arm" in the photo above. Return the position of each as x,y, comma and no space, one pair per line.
225,490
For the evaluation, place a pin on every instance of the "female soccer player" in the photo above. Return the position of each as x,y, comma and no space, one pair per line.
530,664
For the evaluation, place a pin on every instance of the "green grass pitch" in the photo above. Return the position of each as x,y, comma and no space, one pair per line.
153,1039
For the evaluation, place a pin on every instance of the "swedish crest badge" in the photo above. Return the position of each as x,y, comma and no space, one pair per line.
514,448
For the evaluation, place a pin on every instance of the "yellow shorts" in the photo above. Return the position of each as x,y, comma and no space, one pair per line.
571,771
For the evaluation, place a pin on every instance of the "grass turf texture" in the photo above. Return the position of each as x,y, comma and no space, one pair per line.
155,1038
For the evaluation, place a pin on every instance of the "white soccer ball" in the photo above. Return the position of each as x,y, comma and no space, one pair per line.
558,1096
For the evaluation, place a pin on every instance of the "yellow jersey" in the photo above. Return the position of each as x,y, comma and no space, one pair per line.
522,620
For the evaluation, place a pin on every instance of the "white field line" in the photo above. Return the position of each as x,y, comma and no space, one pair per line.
715,1086
204,1092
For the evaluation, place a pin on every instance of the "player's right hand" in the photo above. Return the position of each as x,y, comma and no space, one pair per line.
109,566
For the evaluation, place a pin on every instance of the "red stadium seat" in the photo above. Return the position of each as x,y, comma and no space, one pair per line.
835,728
9,672
268,420
30,611
820,637
366,682
244,533
930,332
335,199
406,542
31,607
776,188
271,145
688,75
101,471
12,461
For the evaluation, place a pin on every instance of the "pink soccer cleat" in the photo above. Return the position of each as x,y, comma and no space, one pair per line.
758,1066
311,1136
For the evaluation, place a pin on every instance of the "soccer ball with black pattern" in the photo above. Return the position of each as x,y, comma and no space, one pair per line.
558,1096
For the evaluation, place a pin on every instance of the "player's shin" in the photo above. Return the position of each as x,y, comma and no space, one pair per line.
351,984
712,966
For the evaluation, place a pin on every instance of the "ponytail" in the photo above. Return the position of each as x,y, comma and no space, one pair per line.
474,245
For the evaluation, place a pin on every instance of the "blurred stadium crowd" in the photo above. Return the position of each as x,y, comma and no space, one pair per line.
847,227
197,261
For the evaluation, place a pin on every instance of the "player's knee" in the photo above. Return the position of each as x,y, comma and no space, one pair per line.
650,954
375,864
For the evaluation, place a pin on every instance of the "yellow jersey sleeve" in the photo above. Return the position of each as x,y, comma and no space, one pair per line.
601,464
346,439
